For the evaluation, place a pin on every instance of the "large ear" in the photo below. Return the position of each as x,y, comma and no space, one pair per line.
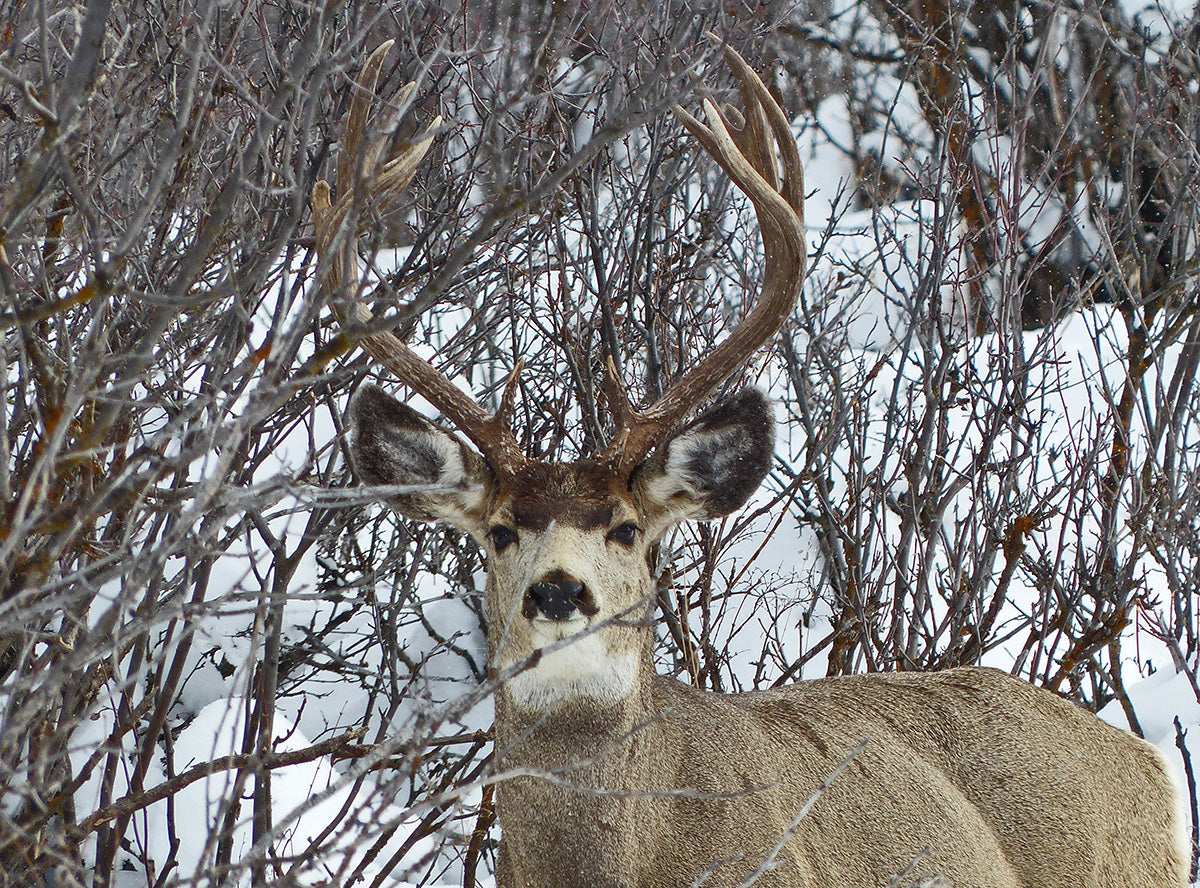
393,444
713,465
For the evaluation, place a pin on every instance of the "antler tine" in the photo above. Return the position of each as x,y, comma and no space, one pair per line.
361,179
747,154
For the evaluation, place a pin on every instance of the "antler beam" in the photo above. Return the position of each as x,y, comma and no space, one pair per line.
361,181
747,153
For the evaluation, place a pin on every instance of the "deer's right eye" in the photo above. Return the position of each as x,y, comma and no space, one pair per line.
625,534
502,537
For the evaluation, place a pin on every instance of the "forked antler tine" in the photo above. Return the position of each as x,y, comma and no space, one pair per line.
361,179
361,102
748,156
753,137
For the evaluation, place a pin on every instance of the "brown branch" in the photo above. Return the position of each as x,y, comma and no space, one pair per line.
483,824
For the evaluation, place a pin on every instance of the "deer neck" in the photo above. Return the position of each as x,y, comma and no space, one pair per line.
581,731
588,760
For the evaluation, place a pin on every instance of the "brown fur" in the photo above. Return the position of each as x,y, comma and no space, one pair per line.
583,495
968,774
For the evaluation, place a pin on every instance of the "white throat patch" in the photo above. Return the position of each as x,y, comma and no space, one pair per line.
583,667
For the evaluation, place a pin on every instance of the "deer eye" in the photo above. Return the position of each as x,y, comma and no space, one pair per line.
625,534
502,537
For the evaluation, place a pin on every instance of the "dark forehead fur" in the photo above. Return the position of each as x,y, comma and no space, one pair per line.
584,494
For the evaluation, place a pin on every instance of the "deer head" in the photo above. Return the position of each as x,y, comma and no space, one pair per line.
569,546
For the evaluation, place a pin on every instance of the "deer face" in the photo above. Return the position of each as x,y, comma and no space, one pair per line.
569,546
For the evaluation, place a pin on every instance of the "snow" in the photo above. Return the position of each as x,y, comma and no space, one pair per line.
306,798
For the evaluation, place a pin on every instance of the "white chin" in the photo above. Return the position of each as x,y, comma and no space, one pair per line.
581,668
559,628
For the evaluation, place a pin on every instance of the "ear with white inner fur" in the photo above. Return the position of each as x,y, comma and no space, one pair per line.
713,465
393,444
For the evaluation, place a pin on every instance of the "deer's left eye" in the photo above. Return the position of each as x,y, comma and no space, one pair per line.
625,534
502,537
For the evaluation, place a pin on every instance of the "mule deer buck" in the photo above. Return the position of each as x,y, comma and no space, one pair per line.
628,778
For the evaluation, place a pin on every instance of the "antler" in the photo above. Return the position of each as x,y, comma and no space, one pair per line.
361,179
748,155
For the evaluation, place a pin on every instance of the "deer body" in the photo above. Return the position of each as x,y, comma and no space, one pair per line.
611,776
968,774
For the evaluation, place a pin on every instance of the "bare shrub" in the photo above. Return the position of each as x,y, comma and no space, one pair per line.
219,666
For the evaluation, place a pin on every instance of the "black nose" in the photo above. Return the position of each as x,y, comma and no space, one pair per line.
557,598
